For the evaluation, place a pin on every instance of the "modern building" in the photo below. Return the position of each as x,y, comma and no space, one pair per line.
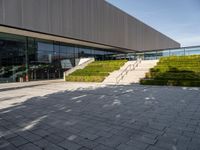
39,39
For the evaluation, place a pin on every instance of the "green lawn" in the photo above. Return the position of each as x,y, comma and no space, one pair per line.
96,71
175,70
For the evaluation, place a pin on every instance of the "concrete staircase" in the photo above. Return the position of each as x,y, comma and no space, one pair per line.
134,76
111,79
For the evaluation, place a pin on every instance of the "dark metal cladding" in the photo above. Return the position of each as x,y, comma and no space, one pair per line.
89,20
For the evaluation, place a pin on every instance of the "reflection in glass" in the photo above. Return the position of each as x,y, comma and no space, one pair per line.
12,58
44,57
42,46
150,55
192,51
25,58
177,52
163,53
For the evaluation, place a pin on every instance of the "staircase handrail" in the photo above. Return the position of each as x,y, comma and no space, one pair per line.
130,67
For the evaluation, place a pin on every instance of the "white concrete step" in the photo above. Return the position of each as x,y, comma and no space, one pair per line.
139,73
111,79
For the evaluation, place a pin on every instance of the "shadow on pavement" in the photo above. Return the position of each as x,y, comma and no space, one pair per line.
102,118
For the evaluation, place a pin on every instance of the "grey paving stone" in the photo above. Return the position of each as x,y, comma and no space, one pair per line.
157,126
194,144
153,131
193,147
126,147
18,141
89,136
127,133
153,148
53,138
104,134
174,131
168,139
9,135
182,146
3,131
113,141
5,145
45,145
165,146
188,134
29,146
84,148
90,117
69,145
138,144
72,130
85,142
40,132
183,139
147,135
29,136
103,147
146,140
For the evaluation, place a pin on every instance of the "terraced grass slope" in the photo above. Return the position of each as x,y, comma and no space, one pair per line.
96,71
175,70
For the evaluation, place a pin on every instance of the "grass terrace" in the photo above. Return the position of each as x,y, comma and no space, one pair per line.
176,71
96,71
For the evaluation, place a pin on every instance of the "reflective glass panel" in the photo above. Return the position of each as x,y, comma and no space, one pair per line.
192,51
12,58
150,55
163,53
42,46
177,52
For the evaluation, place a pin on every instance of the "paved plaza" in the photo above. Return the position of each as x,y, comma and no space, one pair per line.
77,116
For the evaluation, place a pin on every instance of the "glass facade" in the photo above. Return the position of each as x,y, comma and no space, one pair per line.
170,52
192,51
26,59
150,55
156,54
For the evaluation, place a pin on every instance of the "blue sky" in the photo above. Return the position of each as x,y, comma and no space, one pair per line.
178,19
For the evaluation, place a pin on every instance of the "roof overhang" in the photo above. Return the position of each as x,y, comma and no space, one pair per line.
34,34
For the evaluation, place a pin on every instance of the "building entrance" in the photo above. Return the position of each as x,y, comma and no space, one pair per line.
29,59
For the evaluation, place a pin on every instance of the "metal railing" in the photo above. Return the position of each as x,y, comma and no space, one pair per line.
130,67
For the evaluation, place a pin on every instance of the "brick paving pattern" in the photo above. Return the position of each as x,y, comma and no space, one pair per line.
61,116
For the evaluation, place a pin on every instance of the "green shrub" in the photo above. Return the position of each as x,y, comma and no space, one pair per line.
85,78
170,82
176,71
96,71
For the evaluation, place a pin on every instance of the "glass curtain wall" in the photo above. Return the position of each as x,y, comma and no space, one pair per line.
150,55
163,53
27,59
12,58
156,54
170,52
192,51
